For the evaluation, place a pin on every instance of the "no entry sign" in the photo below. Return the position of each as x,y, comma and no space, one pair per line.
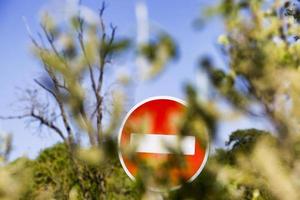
150,144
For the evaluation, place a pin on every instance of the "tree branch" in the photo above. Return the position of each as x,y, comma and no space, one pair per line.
58,100
92,79
49,124
45,88
51,42
40,119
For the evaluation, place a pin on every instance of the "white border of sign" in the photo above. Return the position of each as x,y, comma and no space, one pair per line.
120,133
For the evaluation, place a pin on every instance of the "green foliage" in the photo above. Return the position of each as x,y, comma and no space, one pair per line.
244,140
204,187
260,45
209,184
158,53
54,176
53,171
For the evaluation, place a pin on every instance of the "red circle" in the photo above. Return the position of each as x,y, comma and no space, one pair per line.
160,115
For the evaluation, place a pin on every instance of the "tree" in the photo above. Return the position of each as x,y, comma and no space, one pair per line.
260,46
72,102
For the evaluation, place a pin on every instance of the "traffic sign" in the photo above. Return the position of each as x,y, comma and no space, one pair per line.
151,145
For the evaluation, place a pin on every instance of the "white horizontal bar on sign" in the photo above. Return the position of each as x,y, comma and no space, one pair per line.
162,144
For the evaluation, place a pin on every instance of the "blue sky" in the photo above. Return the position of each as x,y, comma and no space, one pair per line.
18,67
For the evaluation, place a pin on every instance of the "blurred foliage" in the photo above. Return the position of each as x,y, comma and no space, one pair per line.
5,146
260,45
157,53
259,79
53,176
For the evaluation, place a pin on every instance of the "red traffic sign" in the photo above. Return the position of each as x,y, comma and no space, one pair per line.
150,144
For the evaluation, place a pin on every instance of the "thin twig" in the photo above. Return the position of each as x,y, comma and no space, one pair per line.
45,88
40,119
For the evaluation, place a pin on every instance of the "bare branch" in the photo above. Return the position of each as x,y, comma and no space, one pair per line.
42,120
63,86
91,72
35,43
49,124
14,117
58,100
102,57
102,9
92,79
51,42
45,88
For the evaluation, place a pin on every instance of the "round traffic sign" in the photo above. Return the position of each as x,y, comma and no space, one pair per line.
152,147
